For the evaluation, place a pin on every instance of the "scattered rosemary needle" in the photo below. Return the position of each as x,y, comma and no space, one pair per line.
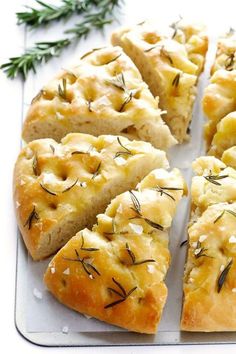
97,171
87,267
183,243
121,292
47,190
118,82
62,90
42,52
214,178
35,166
133,257
223,212
126,101
165,54
162,190
33,215
71,186
175,82
229,62
90,249
136,204
125,152
112,60
199,251
223,275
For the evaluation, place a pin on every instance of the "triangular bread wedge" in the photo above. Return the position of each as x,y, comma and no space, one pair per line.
60,188
116,271
225,136
170,62
220,95
209,277
103,94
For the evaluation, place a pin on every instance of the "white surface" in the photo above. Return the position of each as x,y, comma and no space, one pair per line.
218,17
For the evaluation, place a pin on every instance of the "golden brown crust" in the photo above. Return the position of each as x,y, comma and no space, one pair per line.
103,94
128,250
219,96
229,157
60,188
170,63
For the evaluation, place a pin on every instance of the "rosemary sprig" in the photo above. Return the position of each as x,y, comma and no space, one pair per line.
32,216
214,178
133,257
121,292
223,212
129,97
223,275
136,204
90,249
36,17
119,153
44,51
87,267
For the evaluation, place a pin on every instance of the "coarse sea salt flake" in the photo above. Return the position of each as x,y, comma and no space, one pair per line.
222,267
194,244
17,204
120,161
232,239
65,329
137,229
150,268
87,316
37,294
66,271
234,290
53,270
202,238
83,184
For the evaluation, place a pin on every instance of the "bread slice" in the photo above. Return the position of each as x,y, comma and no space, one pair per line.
116,271
170,62
225,136
220,95
209,279
214,183
103,94
229,157
209,276
60,188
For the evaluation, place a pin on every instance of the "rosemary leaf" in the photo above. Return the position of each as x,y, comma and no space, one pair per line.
123,294
126,152
223,275
33,215
97,171
183,243
44,51
229,62
71,186
112,60
47,190
223,212
154,224
90,249
214,178
118,82
87,267
136,204
175,82
35,166
130,253
62,90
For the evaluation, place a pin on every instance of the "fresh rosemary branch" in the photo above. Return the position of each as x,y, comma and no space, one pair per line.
35,17
42,52
121,293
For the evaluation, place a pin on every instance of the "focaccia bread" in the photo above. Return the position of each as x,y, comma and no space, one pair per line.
116,271
209,278
220,95
214,183
170,62
103,94
225,136
60,188
229,157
